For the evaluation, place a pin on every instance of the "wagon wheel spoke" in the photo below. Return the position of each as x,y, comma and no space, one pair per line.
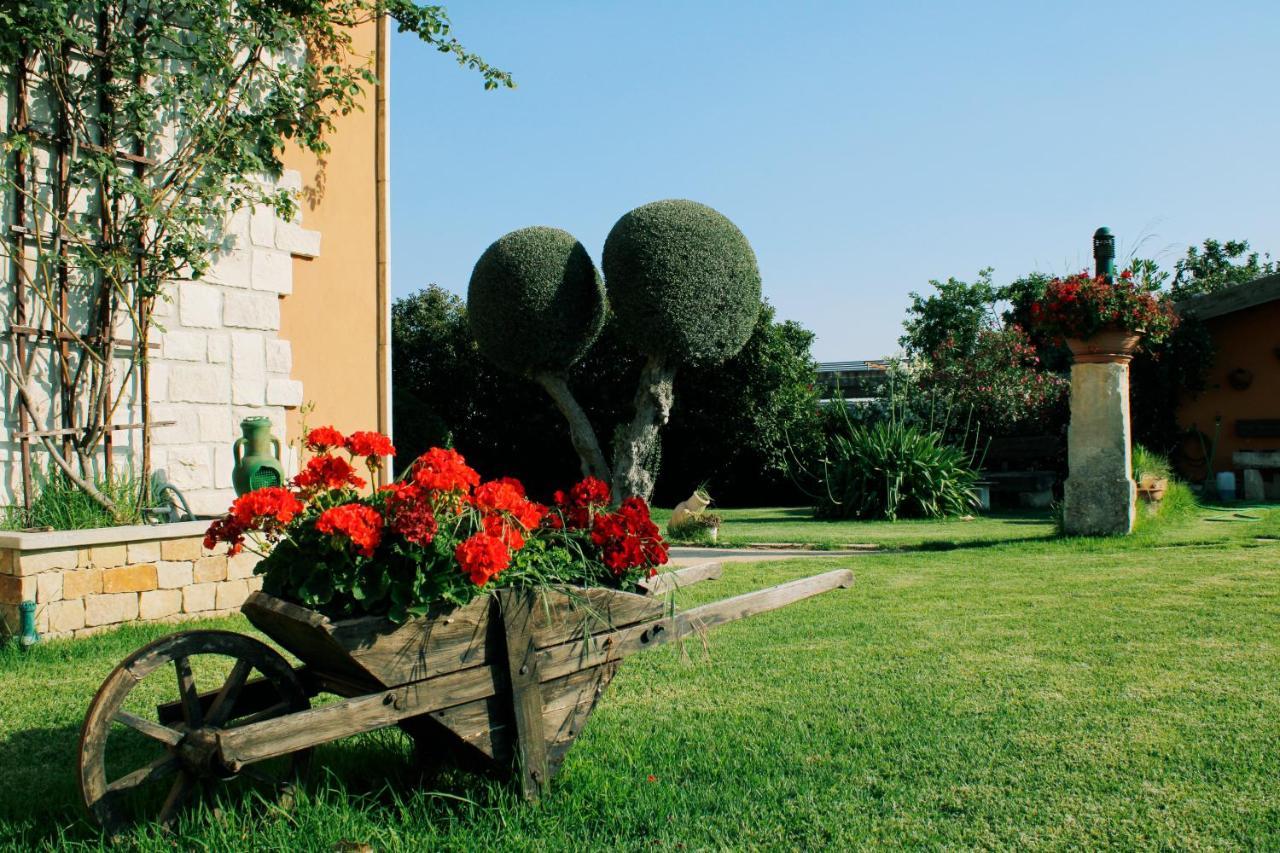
274,711
191,710
164,734
225,701
177,797
158,769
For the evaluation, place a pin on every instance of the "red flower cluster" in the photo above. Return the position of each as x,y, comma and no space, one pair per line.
267,510
327,472
443,470
369,444
360,523
482,557
409,513
1082,305
628,538
581,503
321,439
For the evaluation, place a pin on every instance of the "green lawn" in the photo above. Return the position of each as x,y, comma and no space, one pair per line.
1030,693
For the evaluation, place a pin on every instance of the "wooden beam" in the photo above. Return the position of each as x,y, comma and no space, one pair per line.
517,614
665,582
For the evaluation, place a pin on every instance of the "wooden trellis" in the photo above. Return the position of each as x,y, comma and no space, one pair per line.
76,425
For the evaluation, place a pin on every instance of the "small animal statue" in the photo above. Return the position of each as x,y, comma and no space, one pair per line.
687,509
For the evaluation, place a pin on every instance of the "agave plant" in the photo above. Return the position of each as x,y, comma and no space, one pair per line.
893,470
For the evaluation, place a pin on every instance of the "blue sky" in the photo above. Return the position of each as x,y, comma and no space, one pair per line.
863,148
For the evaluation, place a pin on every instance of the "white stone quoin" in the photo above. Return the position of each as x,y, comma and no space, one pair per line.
1099,494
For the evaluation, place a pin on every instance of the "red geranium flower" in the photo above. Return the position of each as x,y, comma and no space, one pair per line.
327,472
409,513
361,524
482,557
322,438
266,510
444,470
369,444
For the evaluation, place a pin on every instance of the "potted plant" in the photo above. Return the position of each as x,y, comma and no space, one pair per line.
1151,472
1103,320
704,527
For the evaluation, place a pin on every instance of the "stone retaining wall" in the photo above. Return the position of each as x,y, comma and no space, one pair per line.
86,581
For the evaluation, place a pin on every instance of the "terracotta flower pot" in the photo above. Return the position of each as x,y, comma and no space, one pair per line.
1104,347
1152,489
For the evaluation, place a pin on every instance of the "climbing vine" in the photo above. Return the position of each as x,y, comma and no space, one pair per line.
134,129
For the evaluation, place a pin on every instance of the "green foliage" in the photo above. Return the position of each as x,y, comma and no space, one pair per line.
1148,463
60,504
1217,266
894,470
535,301
738,422
951,318
682,281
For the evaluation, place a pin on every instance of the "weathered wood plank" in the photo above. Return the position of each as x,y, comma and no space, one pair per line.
518,612
280,736
563,615
582,654
420,648
665,582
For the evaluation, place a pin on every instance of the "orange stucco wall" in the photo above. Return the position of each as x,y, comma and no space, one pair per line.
332,317
1249,340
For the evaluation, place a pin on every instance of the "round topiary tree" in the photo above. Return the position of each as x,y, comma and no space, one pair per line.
536,304
685,288
683,284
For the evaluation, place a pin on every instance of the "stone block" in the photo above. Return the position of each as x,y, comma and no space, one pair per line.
262,226
241,566
199,384
185,346
279,357
199,305
180,549
48,587
189,467
272,271
1255,490
255,583
231,268
249,392
144,552
1099,494
158,381
216,425
129,578
284,392
15,590
7,562
35,562
290,179
209,569
199,597
159,603
224,463
252,310
109,556
174,574
296,240
231,594
66,616
109,609
81,582
248,356
219,349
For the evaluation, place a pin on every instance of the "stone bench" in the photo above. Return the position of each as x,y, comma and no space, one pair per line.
1252,463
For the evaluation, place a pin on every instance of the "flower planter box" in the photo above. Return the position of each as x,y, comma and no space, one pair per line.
84,581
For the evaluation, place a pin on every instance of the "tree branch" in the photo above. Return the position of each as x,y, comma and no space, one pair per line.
581,433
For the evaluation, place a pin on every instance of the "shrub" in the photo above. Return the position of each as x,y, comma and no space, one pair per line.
891,470
683,281
535,301
1148,463
695,530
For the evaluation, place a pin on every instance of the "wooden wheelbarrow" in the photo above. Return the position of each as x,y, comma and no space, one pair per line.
504,683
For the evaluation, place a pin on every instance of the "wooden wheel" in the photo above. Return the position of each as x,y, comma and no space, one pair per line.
144,757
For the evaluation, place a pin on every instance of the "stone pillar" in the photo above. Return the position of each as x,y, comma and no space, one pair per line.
1099,493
